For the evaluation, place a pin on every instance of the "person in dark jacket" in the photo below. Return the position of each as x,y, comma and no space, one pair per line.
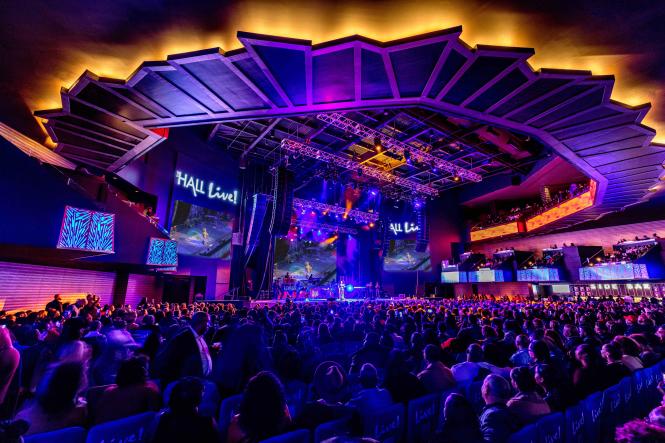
187,353
402,384
370,352
497,423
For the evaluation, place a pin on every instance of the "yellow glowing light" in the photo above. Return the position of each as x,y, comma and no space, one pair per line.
319,21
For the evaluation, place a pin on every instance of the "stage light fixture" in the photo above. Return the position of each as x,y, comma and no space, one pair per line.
398,147
377,144
456,178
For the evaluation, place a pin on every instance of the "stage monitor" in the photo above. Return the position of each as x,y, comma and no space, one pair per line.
202,231
402,256
312,254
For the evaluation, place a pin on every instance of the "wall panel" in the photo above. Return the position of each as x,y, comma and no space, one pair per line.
31,287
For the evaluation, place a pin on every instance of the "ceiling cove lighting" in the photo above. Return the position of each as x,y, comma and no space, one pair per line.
401,148
323,156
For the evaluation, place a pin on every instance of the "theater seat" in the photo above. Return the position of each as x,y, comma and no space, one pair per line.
332,429
137,429
612,411
299,436
386,425
67,435
626,387
593,408
551,428
528,434
422,418
574,432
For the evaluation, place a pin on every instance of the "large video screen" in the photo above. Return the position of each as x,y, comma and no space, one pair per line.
402,256
310,255
202,231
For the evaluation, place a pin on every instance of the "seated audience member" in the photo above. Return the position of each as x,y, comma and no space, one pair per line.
402,384
370,352
589,376
521,357
436,376
640,431
263,411
9,361
181,422
330,393
615,370
460,422
370,397
630,351
558,394
473,368
527,405
497,423
132,393
57,402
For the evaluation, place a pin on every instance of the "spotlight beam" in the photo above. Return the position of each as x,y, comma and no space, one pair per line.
326,157
391,144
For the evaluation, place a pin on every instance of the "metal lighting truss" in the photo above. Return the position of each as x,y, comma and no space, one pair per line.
325,227
391,144
353,214
309,151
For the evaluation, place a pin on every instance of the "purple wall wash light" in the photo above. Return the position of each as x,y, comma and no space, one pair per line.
86,230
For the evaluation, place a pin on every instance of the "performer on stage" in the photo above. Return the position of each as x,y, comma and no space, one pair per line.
341,288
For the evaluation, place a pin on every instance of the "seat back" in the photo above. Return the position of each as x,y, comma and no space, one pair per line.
574,432
66,435
528,434
137,429
551,428
626,388
332,429
386,425
422,418
299,436
612,411
593,407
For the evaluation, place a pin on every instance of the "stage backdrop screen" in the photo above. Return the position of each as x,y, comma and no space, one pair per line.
309,255
202,231
402,256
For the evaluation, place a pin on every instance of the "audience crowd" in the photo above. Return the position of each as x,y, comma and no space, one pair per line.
83,364
530,209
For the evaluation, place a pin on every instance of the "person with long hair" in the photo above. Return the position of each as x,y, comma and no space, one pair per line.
57,402
182,422
263,411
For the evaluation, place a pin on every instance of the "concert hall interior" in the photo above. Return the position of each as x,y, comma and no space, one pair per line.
290,222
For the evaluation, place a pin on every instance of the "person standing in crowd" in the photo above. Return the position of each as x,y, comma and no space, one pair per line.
187,353
370,397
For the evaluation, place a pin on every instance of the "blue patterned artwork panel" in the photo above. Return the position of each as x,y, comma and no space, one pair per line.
86,230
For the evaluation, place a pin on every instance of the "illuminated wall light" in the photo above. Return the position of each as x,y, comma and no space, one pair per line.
86,230
162,252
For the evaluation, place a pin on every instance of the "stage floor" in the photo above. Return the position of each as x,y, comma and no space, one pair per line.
273,302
